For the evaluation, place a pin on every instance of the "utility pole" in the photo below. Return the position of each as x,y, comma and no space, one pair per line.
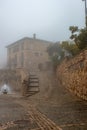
85,13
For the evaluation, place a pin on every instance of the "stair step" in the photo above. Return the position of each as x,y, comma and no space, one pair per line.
32,92
29,94
33,84
33,89
33,80
33,75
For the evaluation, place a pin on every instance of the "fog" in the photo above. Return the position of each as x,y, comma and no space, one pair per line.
49,19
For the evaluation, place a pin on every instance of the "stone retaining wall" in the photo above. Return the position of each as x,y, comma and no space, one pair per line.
72,73
15,79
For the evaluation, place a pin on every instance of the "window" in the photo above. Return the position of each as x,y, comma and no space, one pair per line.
22,59
22,46
15,61
38,53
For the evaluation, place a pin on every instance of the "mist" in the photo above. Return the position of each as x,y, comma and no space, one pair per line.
49,19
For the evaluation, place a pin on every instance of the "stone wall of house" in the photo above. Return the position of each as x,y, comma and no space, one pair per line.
27,53
72,73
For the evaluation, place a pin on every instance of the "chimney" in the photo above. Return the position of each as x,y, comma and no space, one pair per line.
34,36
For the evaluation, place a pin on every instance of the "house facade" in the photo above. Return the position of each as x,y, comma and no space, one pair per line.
28,53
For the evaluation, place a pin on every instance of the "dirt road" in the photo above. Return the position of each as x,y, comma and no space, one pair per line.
57,110
17,114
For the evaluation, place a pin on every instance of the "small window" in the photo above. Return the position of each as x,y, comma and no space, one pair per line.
22,46
22,59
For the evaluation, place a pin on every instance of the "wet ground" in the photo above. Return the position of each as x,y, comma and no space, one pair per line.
63,112
13,116
17,114
71,116
65,109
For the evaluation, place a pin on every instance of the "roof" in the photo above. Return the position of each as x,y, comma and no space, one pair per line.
23,39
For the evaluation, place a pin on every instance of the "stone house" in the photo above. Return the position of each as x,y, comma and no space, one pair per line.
30,53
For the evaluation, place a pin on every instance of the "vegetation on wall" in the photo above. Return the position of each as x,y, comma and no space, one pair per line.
79,36
70,47
56,54
57,51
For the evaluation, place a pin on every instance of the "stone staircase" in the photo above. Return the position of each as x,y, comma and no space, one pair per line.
33,87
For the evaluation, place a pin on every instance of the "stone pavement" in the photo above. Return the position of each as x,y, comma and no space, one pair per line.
60,111
12,115
62,107
69,116
15,114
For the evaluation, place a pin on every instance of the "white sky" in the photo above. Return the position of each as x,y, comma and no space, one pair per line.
49,19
